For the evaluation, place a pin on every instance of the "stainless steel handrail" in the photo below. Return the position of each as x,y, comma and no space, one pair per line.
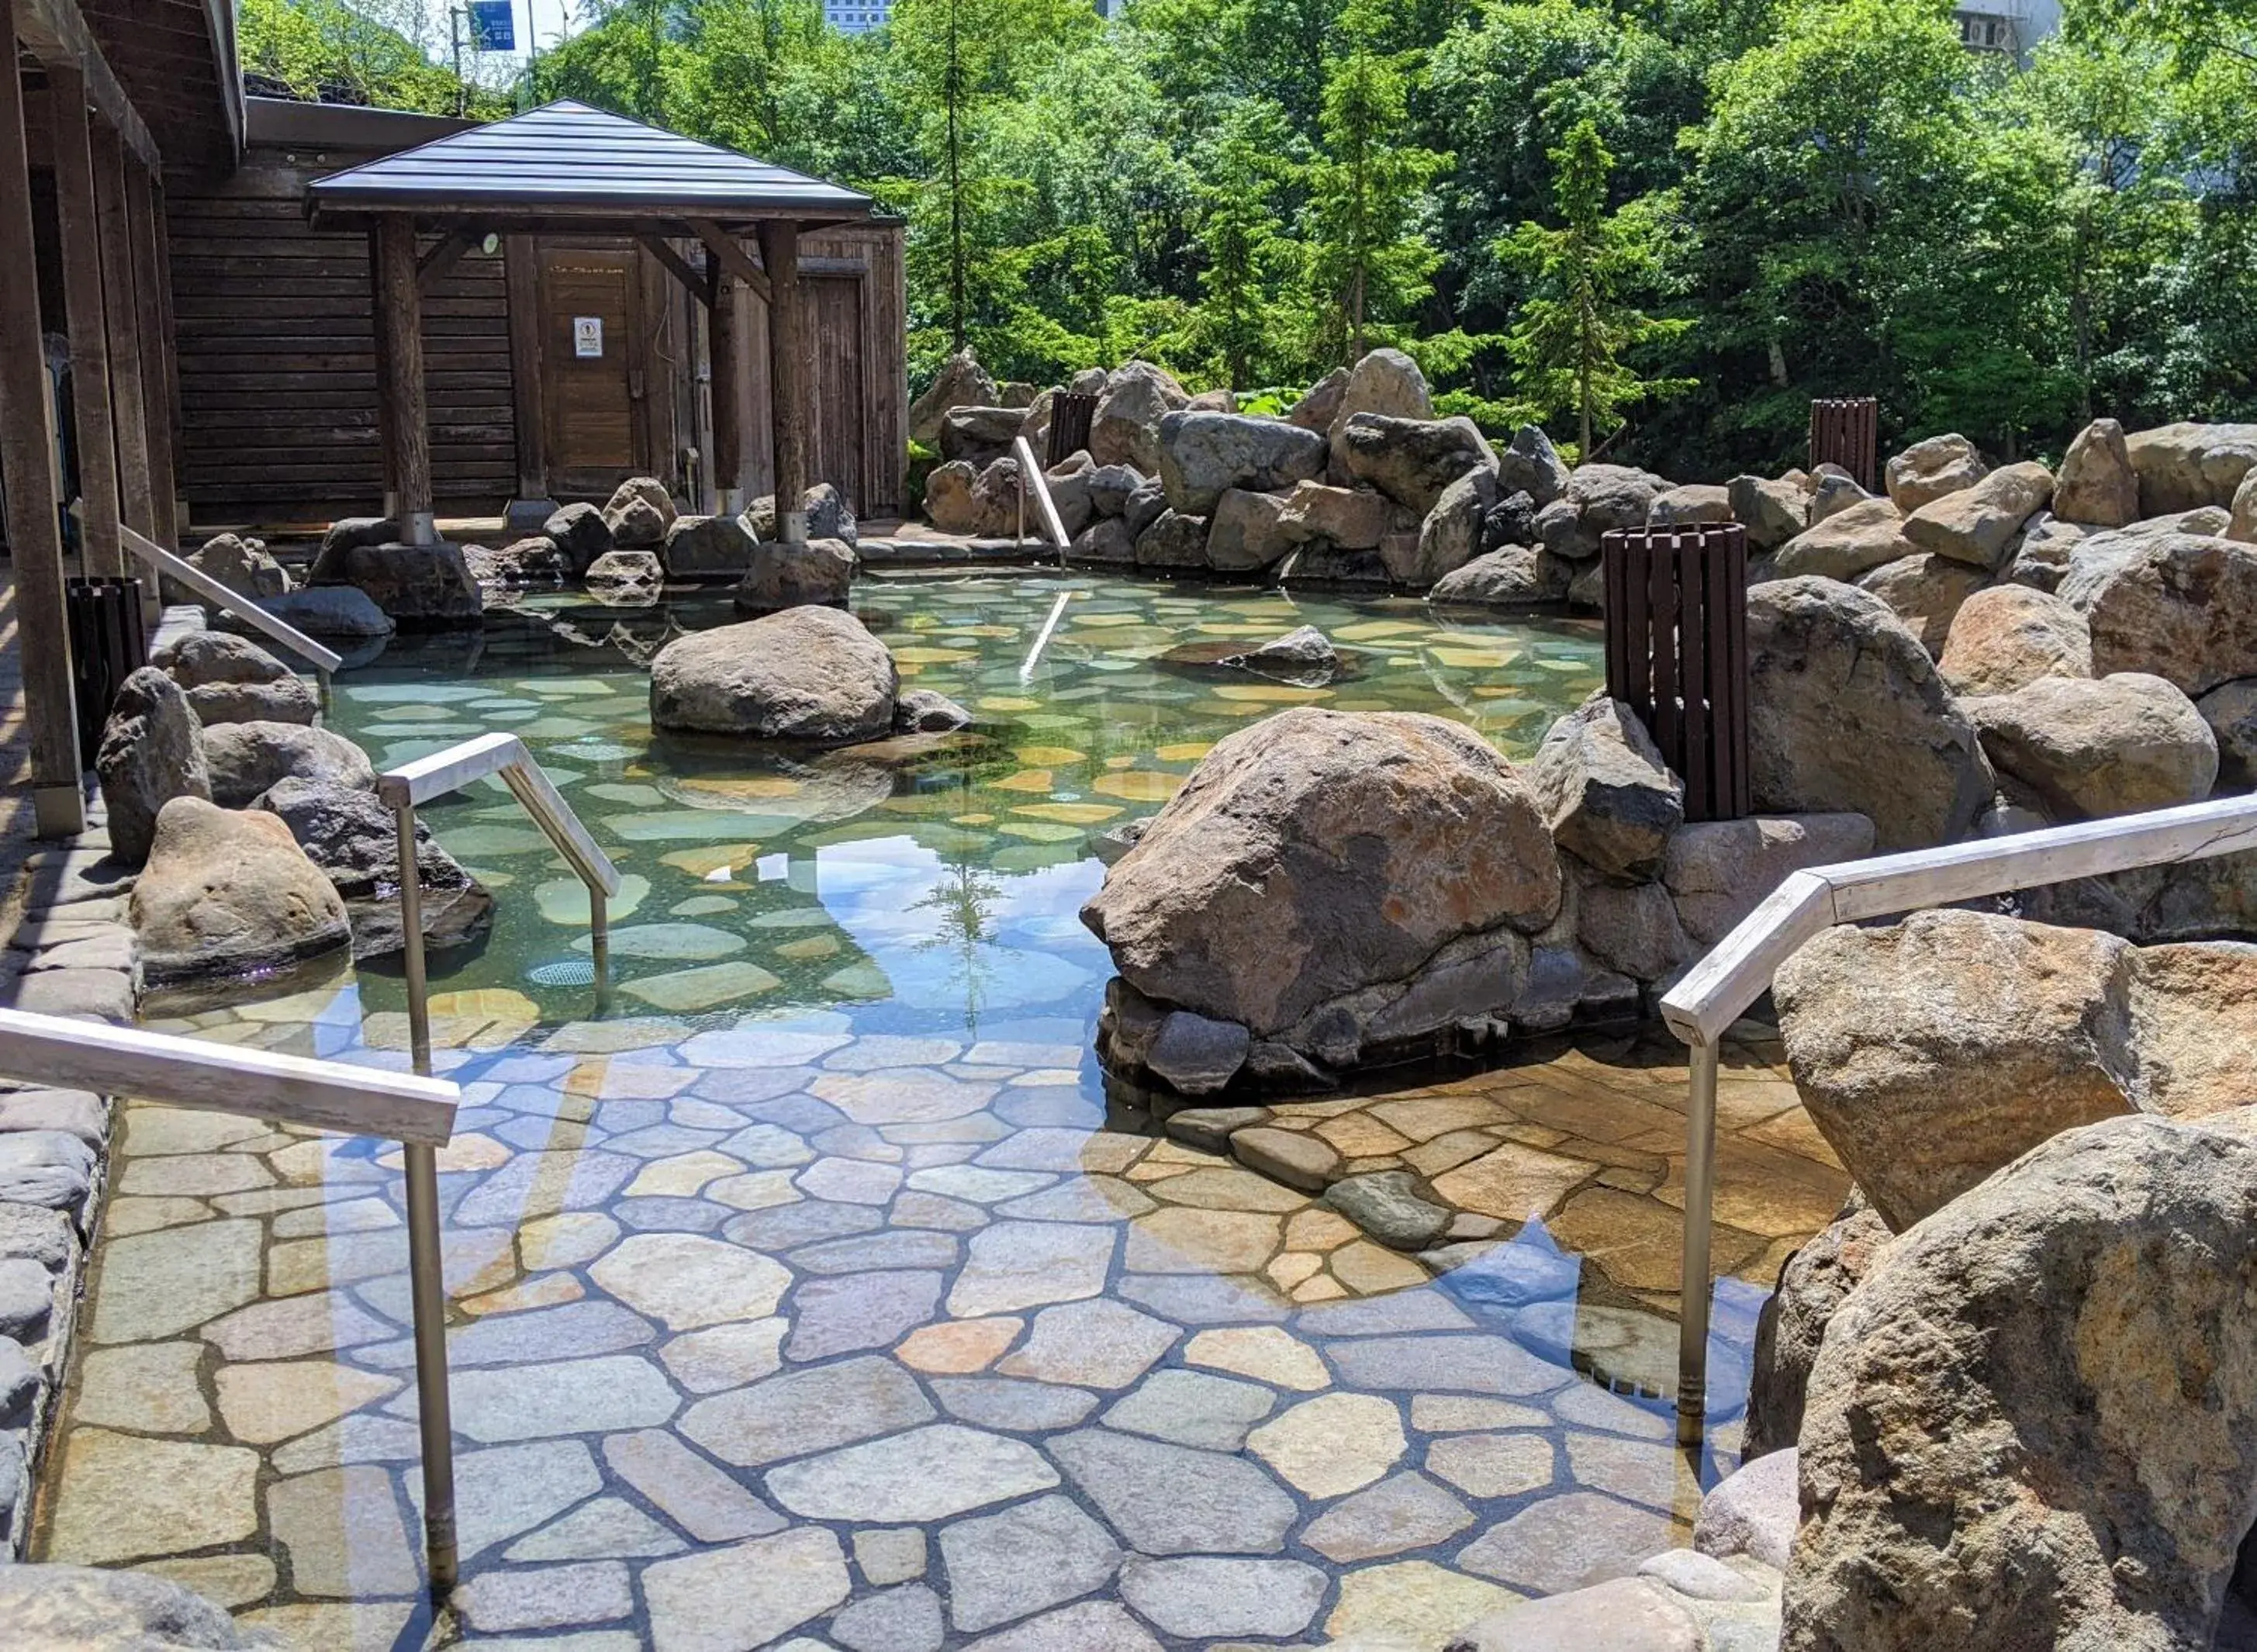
1739,970
1030,476
402,788
417,1111
246,609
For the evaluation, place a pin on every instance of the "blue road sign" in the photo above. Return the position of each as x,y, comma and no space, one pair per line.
493,25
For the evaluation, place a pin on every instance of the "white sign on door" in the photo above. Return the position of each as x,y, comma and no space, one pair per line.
587,336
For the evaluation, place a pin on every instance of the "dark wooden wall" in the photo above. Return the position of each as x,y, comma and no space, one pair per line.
277,359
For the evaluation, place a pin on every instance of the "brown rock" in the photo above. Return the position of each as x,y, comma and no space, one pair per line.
1851,541
1926,592
1773,512
1977,525
2185,467
2114,745
228,893
2181,605
2009,636
2099,486
1928,471
1813,1285
1297,1158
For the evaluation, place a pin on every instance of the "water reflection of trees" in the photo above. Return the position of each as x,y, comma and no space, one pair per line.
963,922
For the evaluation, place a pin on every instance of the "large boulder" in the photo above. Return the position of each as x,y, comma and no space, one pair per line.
1449,536
2090,747
2185,467
1813,1284
1351,519
2009,636
1204,454
415,585
1244,533
1833,490
1531,464
230,679
1320,404
337,612
980,434
2040,557
1318,854
1846,712
962,382
1383,381
1105,542
1690,505
1515,576
2241,521
50,1608
1851,541
638,514
1410,460
2230,711
532,561
1125,428
1718,872
151,751
700,547
229,893
1925,591
626,579
808,674
1174,542
2099,487
1977,524
247,757
242,565
828,515
959,500
1607,797
2181,605
1926,471
1773,512
779,576
1613,496
354,839
2034,1425
580,535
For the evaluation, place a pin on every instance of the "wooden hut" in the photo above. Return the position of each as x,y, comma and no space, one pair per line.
585,307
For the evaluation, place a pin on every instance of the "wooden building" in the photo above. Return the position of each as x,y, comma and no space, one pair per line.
557,363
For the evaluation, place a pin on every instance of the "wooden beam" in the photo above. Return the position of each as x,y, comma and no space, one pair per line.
27,474
432,267
136,503
725,247
725,364
170,361
675,264
145,232
79,224
790,402
399,384
522,275
56,34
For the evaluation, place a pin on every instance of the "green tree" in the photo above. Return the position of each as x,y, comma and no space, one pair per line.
1580,328
1367,262
1240,239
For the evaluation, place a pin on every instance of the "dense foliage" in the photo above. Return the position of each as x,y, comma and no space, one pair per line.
1686,217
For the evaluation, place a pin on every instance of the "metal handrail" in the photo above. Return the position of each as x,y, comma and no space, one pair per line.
1031,475
243,608
1739,970
417,1111
402,788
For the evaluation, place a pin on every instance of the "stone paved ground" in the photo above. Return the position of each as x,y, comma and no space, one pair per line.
778,1337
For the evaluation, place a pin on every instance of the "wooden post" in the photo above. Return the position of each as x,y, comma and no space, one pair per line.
723,362
27,472
400,378
144,233
136,501
788,375
82,250
522,275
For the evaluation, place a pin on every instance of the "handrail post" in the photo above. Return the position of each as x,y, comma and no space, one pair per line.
1694,1283
599,940
426,1271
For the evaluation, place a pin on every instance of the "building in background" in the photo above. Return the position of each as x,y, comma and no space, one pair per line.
855,17
2013,27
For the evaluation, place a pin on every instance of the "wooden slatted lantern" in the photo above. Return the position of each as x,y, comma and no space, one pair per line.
1844,430
1070,412
1677,653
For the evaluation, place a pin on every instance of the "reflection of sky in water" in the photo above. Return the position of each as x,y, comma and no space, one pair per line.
923,886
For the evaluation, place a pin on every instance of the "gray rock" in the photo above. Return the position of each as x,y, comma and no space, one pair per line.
1105,542
1511,520
978,434
2039,559
1145,504
287,700
1410,460
420,585
1320,404
1203,1596
1718,872
1846,713
2181,605
962,382
825,507
1513,577
229,893
26,1296
1245,533
1170,1499
1174,541
75,1113
1977,525
152,750
1814,1283
1125,428
1210,1127
1388,1205
1752,1511
1861,536
1614,496
1204,454
1602,786
580,535
39,1231
1195,1054
808,674
1343,518
2099,486
355,840
1405,1511
899,1621
1927,592
1302,654
1928,471
45,1170
707,548
1193,1407
928,711
247,759
1627,1614
2014,1372
19,1382
1835,491
1298,1158
1110,486
75,1606
1383,381
1773,512
1699,1577
242,565
780,575
1001,1567
1531,464
2185,467
1449,536
2087,747
638,514
201,658
2230,711
533,560
625,578
336,612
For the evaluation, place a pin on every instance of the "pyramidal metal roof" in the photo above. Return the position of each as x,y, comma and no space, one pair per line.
565,160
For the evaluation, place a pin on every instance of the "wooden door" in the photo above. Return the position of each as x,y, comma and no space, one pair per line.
834,321
589,325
